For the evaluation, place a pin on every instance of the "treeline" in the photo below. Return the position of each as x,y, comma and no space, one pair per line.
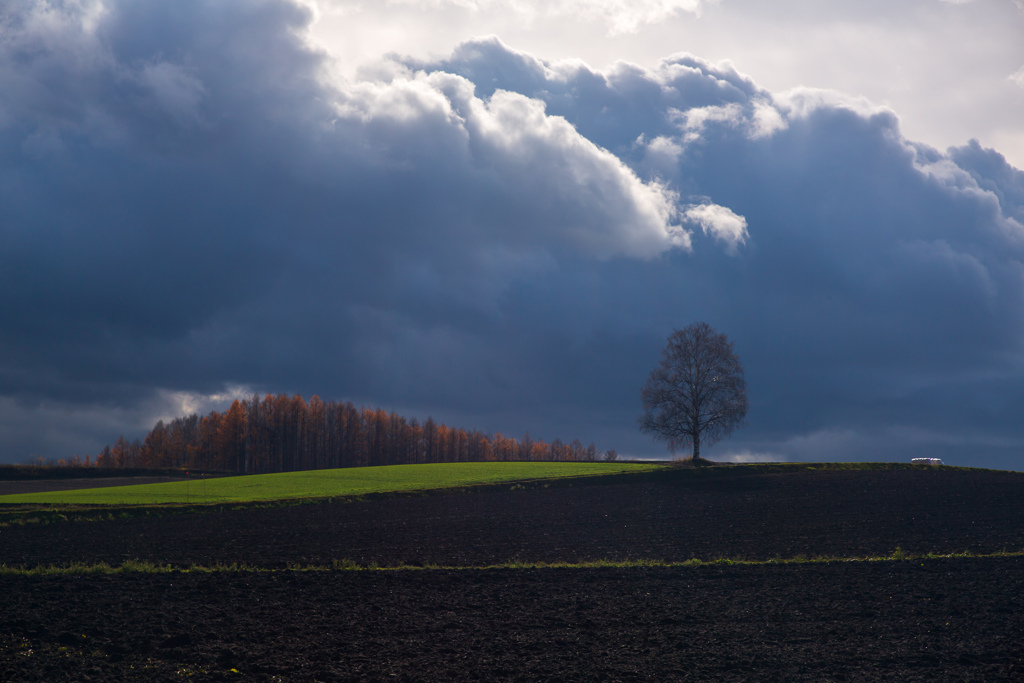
283,434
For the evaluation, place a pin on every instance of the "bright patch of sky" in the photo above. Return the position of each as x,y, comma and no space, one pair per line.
951,70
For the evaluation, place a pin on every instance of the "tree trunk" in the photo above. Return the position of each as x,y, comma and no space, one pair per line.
696,448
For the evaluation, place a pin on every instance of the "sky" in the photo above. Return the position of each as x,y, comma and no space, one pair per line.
494,212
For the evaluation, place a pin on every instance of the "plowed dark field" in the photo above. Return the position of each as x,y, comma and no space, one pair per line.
941,619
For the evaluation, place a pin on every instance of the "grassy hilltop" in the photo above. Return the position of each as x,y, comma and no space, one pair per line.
352,481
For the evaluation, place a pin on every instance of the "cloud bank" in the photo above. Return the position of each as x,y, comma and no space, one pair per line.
191,204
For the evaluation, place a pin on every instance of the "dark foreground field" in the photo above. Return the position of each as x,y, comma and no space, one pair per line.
950,619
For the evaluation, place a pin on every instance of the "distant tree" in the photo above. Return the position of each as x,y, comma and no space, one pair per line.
314,441
576,451
697,394
541,451
230,439
525,447
105,459
611,455
282,433
557,450
430,440
120,453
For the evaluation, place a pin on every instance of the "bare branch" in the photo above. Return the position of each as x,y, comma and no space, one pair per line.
697,394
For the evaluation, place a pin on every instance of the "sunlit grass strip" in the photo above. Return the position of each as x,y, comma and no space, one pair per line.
142,567
346,482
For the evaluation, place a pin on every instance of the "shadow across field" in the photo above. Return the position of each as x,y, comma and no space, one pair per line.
940,619
668,515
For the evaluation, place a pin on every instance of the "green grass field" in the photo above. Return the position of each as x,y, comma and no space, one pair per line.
354,481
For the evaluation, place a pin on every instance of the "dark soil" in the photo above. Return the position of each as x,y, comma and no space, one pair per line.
944,619
675,517
33,479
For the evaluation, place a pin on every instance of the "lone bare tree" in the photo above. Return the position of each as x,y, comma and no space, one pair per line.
697,394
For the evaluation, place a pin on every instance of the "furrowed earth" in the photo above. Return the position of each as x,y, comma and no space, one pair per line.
294,607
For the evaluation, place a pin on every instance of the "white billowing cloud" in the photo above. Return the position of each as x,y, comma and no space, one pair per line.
694,120
802,101
720,222
1017,77
622,107
956,180
171,404
766,120
661,156
521,140
942,66
501,171
758,119
586,198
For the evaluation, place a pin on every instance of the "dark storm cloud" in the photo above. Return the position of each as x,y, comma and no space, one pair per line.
188,203
993,174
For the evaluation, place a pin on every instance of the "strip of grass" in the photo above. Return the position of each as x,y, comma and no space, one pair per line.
348,482
730,469
139,567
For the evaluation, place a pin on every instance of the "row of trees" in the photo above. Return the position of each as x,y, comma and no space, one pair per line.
282,433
